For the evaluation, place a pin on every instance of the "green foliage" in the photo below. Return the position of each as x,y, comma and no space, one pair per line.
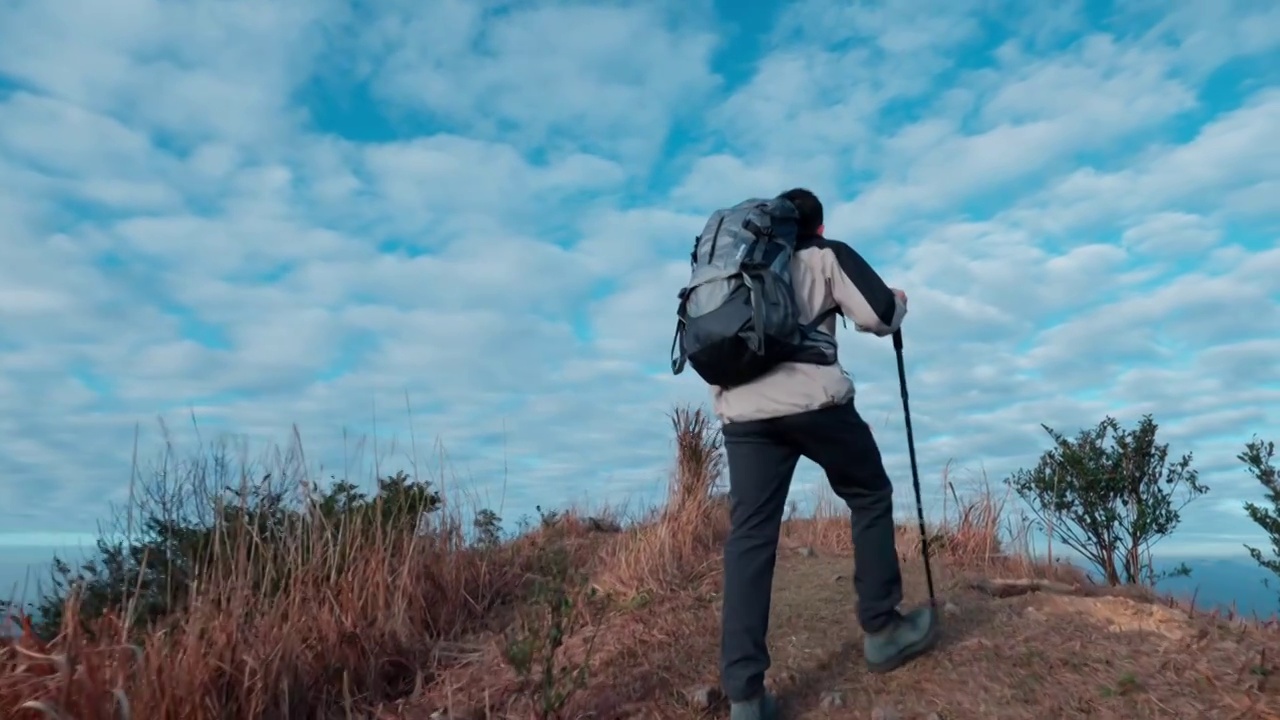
183,535
1111,494
488,527
398,504
1259,459
560,603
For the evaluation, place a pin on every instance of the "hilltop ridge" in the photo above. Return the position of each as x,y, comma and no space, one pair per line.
377,616
1045,644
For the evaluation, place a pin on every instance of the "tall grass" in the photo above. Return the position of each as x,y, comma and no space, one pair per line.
670,548
323,612
289,617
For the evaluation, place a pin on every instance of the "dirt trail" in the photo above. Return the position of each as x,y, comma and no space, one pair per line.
1034,656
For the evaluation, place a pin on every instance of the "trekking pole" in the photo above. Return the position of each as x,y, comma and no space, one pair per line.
915,471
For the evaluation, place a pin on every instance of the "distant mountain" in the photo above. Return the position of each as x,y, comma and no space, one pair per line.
10,627
1224,583
24,570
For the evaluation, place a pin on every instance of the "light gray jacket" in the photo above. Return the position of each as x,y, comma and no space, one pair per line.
825,274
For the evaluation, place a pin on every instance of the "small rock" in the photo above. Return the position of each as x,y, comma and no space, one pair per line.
832,699
884,713
933,716
703,697
805,551
838,578
951,609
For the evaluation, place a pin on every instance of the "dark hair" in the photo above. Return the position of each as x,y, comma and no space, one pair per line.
809,207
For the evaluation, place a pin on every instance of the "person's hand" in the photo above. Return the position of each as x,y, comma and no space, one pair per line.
902,296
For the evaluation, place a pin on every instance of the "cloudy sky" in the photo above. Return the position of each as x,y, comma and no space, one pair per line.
469,219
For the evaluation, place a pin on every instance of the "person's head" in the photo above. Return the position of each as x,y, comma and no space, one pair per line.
810,209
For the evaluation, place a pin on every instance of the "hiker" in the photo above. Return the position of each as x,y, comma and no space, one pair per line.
803,405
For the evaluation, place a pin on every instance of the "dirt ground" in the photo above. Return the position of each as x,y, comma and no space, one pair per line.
1038,655
1033,656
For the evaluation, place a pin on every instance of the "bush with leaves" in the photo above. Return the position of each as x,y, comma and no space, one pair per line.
1111,494
488,527
178,531
1260,460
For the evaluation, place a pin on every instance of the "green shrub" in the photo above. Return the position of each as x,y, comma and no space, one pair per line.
1259,459
1111,494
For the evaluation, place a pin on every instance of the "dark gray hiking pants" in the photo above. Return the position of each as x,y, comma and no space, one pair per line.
762,456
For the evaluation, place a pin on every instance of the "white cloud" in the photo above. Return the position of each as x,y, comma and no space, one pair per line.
608,78
434,216
186,72
1172,234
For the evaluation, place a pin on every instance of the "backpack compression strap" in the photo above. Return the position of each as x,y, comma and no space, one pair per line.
678,357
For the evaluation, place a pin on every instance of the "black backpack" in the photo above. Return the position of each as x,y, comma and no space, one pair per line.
737,318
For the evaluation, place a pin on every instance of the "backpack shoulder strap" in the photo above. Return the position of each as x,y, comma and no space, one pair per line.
822,317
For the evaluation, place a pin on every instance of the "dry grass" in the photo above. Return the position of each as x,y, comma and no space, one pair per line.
421,623
338,634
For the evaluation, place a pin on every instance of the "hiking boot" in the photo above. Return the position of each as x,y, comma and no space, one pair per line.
908,637
762,707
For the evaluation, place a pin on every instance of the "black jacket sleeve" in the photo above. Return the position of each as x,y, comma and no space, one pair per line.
860,292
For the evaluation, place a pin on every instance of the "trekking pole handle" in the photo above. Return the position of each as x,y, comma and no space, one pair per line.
897,339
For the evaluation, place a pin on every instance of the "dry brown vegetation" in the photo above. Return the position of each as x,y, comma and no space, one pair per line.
431,625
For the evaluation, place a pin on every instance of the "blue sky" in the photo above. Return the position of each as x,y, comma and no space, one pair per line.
316,213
